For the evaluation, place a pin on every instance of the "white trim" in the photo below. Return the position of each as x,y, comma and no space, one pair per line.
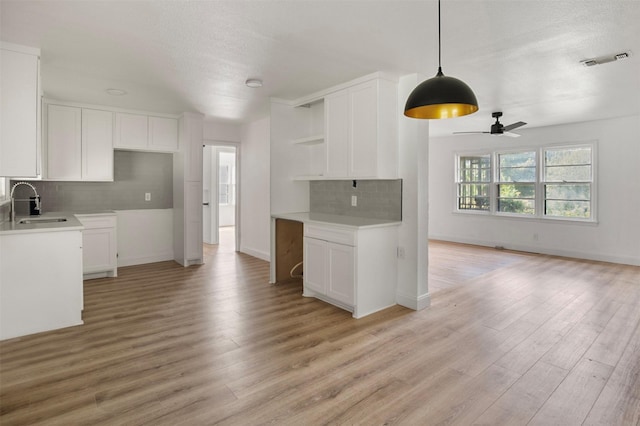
625,260
416,303
263,255
49,101
130,261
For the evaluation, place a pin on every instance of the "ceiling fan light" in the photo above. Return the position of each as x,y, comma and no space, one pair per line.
441,97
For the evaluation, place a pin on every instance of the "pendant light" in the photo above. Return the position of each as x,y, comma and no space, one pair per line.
441,96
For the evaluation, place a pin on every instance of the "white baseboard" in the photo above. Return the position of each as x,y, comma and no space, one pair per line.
413,302
626,260
256,253
156,257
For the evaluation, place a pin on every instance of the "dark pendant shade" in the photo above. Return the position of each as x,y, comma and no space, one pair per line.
441,97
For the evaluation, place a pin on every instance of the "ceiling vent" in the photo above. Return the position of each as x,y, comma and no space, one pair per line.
605,59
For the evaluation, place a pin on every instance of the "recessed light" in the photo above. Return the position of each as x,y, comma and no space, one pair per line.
116,92
254,83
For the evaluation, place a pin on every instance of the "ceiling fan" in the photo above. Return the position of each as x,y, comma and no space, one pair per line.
498,128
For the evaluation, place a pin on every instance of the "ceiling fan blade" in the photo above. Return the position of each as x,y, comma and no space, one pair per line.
469,133
514,126
511,135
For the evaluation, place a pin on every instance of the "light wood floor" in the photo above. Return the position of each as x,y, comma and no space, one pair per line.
510,339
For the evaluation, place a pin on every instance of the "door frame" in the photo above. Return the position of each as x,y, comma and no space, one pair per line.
214,192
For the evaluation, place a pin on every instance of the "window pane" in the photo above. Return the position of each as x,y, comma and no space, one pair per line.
567,156
508,205
475,169
567,173
517,198
473,197
568,208
568,192
517,167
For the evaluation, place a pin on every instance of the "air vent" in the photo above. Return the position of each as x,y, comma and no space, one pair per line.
605,59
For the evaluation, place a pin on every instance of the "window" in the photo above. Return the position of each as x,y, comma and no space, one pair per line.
516,183
3,189
474,177
567,181
227,187
549,182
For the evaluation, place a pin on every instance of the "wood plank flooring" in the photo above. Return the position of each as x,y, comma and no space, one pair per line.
511,338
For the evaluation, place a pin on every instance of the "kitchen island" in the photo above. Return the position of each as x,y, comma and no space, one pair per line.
348,261
40,274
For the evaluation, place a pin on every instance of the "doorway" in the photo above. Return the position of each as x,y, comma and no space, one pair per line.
219,196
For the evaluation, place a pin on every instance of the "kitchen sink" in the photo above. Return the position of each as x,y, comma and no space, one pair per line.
42,220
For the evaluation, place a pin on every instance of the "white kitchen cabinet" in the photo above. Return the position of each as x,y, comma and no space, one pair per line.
163,134
99,245
40,281
97,145
79,144
131,131
352,268
20,110
361,131
146,133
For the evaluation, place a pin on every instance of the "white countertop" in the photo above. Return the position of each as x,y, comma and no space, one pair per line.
72,223
337,220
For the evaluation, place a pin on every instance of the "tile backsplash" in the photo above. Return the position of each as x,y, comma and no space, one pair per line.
379,199
135,173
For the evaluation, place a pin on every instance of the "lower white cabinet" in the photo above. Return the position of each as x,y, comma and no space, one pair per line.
352,268
40,281
99,246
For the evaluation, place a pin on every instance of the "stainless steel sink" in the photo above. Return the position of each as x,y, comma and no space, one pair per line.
41,220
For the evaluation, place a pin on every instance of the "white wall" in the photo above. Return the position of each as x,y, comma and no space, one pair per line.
616,236
413,136
144,236
254,189
222,132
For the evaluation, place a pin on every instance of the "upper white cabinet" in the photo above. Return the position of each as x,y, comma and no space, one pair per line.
79,144
360,131
148,133
20,110
359,140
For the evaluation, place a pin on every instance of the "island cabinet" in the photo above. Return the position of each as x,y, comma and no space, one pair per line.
79,144
40,280
146,133
361,131
353,268
19,110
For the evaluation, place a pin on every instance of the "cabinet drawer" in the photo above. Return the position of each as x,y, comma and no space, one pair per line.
332,234
97,222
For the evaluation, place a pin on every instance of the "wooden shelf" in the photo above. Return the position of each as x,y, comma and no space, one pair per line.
309,140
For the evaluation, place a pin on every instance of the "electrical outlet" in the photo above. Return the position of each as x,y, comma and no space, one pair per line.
354,200
147,196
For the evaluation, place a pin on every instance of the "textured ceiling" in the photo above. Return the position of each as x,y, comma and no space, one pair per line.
521,57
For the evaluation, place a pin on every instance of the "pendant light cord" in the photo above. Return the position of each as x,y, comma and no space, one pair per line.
439,40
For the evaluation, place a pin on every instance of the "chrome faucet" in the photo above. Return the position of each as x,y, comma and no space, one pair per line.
13,200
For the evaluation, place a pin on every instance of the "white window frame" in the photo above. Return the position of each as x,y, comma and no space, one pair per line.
458,181
539,182
593,182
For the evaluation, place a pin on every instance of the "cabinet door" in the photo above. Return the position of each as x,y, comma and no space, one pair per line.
163,133
341,282
131,131
363,147
315,265
337,133
18,114
98,250
64,148
97,145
